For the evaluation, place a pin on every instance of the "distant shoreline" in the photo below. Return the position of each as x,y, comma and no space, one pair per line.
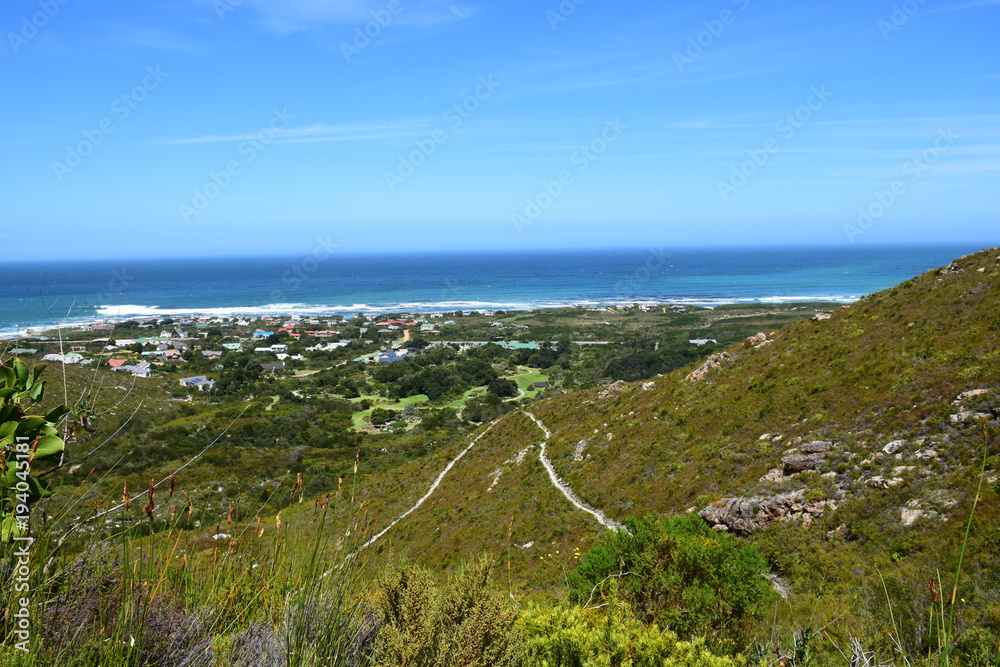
38,329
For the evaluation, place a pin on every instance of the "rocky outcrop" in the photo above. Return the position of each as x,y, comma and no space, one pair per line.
802,462
965,413
712,362
612,388
820,317
744,516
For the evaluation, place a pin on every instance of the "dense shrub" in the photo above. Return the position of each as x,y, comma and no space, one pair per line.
569,636
466,622
677,573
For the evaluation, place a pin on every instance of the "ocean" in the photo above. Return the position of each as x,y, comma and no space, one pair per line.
41,294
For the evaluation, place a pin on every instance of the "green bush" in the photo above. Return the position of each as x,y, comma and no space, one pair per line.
569,636
466,622
679,574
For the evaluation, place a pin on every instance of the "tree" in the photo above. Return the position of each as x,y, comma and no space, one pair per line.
503,388
381,416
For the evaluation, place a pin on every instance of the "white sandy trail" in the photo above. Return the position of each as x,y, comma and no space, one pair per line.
430,491
562,486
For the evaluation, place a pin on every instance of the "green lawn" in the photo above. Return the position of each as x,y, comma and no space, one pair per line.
380,402
528,378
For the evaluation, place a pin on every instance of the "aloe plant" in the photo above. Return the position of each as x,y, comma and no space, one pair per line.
27,442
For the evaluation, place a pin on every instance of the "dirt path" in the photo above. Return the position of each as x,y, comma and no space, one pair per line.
563,487
430,491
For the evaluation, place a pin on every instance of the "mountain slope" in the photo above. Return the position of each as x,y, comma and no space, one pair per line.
848,428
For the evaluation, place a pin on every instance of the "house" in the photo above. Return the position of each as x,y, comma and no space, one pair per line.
273,368
260,334
199,382
71,358
139,370
162,347
328,347
391,356
180,346
514,345
279,347
78,348
236,347
115,363
211,354
172,355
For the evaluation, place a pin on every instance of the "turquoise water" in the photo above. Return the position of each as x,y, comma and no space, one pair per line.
325,282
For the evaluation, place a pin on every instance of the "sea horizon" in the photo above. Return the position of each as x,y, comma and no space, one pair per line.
41,294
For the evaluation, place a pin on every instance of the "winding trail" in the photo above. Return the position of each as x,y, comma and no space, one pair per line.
430,491
601,517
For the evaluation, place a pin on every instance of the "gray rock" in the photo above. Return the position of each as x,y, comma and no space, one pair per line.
744,516
894,446
879,482
817,446
797,464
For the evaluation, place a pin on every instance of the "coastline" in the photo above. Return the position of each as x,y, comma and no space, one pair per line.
111,315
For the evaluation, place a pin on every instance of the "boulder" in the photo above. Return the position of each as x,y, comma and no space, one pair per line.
894,446
744,516
969,415
802,462
879,482
817,447
712,362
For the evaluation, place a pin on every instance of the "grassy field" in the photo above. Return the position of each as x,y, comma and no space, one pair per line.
381,402
526,379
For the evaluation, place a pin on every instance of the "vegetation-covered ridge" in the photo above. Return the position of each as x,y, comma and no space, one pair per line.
820,493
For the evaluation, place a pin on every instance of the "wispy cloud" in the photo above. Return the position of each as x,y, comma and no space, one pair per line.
289,16
319,133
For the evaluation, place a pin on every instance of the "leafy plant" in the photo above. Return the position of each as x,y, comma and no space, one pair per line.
26,441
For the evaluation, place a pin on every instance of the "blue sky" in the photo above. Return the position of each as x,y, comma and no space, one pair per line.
227,127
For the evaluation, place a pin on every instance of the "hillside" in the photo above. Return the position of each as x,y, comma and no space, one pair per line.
837,455
866,429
